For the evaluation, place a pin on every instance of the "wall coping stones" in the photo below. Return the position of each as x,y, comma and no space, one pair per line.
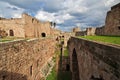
32,39
101,43
13,41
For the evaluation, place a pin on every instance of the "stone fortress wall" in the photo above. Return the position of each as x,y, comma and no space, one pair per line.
93,61
112,24
76,29
26,60
27,26
99,31
35,28
16,25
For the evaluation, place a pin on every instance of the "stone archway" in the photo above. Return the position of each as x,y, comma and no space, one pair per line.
11,32
75,68
43,34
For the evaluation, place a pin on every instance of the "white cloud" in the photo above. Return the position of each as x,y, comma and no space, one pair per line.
66,13
42,15
62,17
55,17
17,15
109,3
74,6
8,11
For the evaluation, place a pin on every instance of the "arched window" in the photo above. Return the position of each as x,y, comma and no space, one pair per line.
3,77
11,33
43,34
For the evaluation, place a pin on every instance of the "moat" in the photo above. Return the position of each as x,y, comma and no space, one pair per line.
35,50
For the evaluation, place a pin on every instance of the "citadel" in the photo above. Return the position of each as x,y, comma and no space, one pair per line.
32,57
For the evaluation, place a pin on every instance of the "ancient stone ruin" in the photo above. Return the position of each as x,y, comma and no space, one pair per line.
26,60
93,61
34,58
27,26
112,24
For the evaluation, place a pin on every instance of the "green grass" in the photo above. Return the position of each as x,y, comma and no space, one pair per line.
4,40
56,74
7,39
53,75
106,39
10,38
64,76
65,52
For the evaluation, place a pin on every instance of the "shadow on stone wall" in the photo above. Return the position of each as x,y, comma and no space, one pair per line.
5,75
63,68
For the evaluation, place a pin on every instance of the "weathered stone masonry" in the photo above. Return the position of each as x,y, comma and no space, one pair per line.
23,60
27,26
112,23
93,61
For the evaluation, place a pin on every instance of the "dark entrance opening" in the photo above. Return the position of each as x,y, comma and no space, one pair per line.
3,77
75,68
67,67
119,27
43,34
11,33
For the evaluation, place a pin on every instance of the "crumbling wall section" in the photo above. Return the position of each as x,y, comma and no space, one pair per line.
112,24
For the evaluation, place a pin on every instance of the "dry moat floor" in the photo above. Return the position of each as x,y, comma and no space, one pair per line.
57,73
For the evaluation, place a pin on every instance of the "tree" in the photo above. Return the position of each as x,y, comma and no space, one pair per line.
54,24
51,23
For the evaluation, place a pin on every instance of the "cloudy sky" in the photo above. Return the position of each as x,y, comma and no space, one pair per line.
66,13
